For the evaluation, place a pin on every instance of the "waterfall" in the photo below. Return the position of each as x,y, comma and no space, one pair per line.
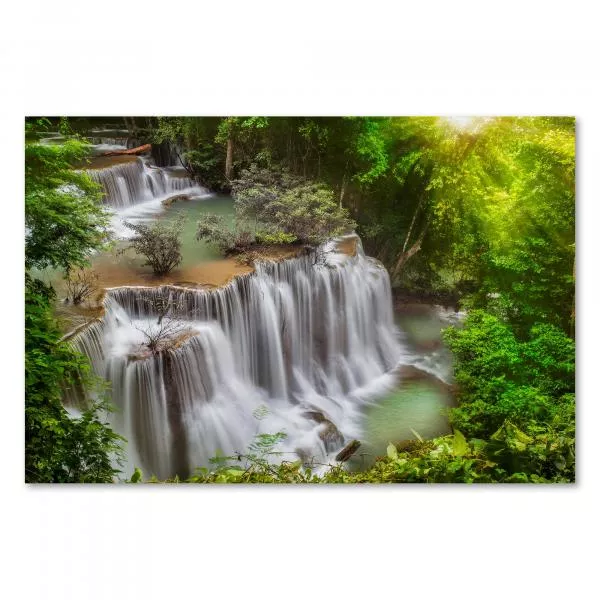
299,337
131,183
135,190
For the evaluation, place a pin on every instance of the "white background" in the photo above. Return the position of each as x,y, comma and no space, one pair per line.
303,58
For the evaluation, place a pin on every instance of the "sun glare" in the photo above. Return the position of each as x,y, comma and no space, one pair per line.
464,123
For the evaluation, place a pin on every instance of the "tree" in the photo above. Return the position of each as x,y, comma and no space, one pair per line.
159,242
64,223
280,202
234,131
64,218
310,213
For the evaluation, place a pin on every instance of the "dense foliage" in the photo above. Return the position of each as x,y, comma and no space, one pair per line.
448,205
60,448
64,222
64,219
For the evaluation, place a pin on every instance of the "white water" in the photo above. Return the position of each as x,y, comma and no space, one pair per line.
134,191
294,337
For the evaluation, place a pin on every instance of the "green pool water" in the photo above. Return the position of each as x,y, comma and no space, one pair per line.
194,251
415,406
418,404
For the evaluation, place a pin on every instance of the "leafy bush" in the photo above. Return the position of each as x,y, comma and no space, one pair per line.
289,205
275,237
510,456
528,384
159,242
212,229
64,217
59,448
64,221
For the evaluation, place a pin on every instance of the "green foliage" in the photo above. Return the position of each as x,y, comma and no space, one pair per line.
292,207
137,476
64,218
159,242
502,378
212,229
58,447
519,393
371,149
309,213
490,202
510,456
275,238
275,207
204,163
65,222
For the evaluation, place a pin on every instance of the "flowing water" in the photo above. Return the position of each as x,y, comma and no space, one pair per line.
311,343
301,346
136,190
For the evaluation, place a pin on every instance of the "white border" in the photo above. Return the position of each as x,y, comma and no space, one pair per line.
461,57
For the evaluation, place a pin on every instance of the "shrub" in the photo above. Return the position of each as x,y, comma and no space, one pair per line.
80,285
212,229
159,242
59,448
500,378
290,205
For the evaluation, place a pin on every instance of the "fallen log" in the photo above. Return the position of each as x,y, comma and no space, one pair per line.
345,453
138,150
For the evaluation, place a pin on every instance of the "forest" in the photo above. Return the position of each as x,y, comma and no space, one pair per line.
268,319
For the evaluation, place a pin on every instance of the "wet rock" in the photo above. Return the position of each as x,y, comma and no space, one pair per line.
410,373
348,451
408,445
329,433
171,199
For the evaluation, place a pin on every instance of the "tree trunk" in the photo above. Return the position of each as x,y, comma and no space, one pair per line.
405,256
229,159
130,124
344,183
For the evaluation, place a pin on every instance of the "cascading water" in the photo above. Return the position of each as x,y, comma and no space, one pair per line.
311,342
135,190
131,183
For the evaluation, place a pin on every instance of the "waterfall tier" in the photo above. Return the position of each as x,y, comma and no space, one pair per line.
297,337
136,182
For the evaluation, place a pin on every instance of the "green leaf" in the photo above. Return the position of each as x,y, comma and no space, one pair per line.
459,445
392,452
137,476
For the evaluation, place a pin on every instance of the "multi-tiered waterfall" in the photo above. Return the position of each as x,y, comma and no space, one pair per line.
299,343
139,181
135,189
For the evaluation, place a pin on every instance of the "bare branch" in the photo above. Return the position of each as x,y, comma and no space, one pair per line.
80,285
